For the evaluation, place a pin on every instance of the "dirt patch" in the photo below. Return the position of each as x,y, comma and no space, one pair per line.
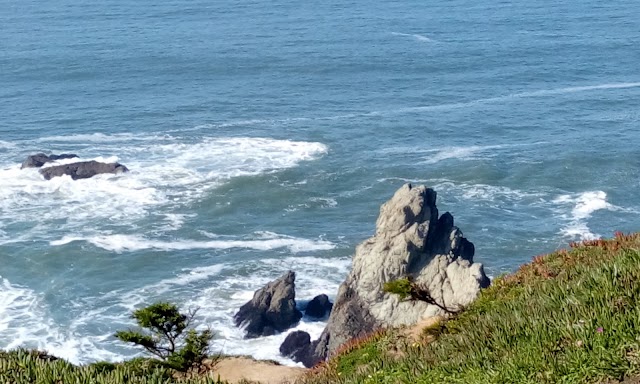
235,369
417,333
628,380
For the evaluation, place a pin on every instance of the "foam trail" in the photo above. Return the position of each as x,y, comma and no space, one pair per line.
514,96
489,193
130,243
416,36
459,153
99,138
167,173
423,108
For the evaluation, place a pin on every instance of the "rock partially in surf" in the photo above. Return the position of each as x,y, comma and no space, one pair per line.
272,309
298,347
40,159
82,170
411,240
319,306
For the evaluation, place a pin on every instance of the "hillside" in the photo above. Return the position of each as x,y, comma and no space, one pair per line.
569,317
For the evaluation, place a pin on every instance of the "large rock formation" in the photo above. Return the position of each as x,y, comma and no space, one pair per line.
411,240
40,159
82,170
272,309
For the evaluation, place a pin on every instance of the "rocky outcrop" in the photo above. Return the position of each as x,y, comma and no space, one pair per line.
82,170
411,240
319,306
297,347
40,159
272,309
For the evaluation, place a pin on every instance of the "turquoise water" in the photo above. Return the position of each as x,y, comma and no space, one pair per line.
264,136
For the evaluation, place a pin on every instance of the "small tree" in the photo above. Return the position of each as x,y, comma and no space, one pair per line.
406,287
169,336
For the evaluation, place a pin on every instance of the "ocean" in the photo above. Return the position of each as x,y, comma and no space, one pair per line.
264,136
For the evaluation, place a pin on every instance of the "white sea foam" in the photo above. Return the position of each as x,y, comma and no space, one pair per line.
485,192
4,145
219,302
459,153
25,322
314,202
418,37
325,202
129,243
219,290
166,173
582,206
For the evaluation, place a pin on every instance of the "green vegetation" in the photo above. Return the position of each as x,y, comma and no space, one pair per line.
570,317
400,287
169,336
407,288
181,356
26,367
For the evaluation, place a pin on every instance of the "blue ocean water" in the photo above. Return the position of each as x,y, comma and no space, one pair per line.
263,136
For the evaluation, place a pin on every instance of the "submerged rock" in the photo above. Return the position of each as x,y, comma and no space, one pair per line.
272,309
411,240
319,306
82,170
40,159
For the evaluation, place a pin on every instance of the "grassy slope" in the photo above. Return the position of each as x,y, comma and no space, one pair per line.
570,317
23,366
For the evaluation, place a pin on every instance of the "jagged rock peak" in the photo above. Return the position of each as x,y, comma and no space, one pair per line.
411,240
272,308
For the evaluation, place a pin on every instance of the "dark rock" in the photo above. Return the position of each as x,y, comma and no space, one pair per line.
82,170
272,309
299,348
40,159
319,306
294,343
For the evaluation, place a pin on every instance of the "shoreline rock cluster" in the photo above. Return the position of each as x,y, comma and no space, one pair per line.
78,170
411,241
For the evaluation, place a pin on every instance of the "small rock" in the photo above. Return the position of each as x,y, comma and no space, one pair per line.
40,159
299,348
319,306
294,343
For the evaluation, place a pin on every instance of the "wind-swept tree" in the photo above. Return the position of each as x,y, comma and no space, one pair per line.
167,334
406,287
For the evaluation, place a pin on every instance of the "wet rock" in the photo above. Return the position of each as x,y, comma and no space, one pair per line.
82,170
40,159
319,306
272,309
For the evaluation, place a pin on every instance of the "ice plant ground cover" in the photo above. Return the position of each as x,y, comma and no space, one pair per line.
569,317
